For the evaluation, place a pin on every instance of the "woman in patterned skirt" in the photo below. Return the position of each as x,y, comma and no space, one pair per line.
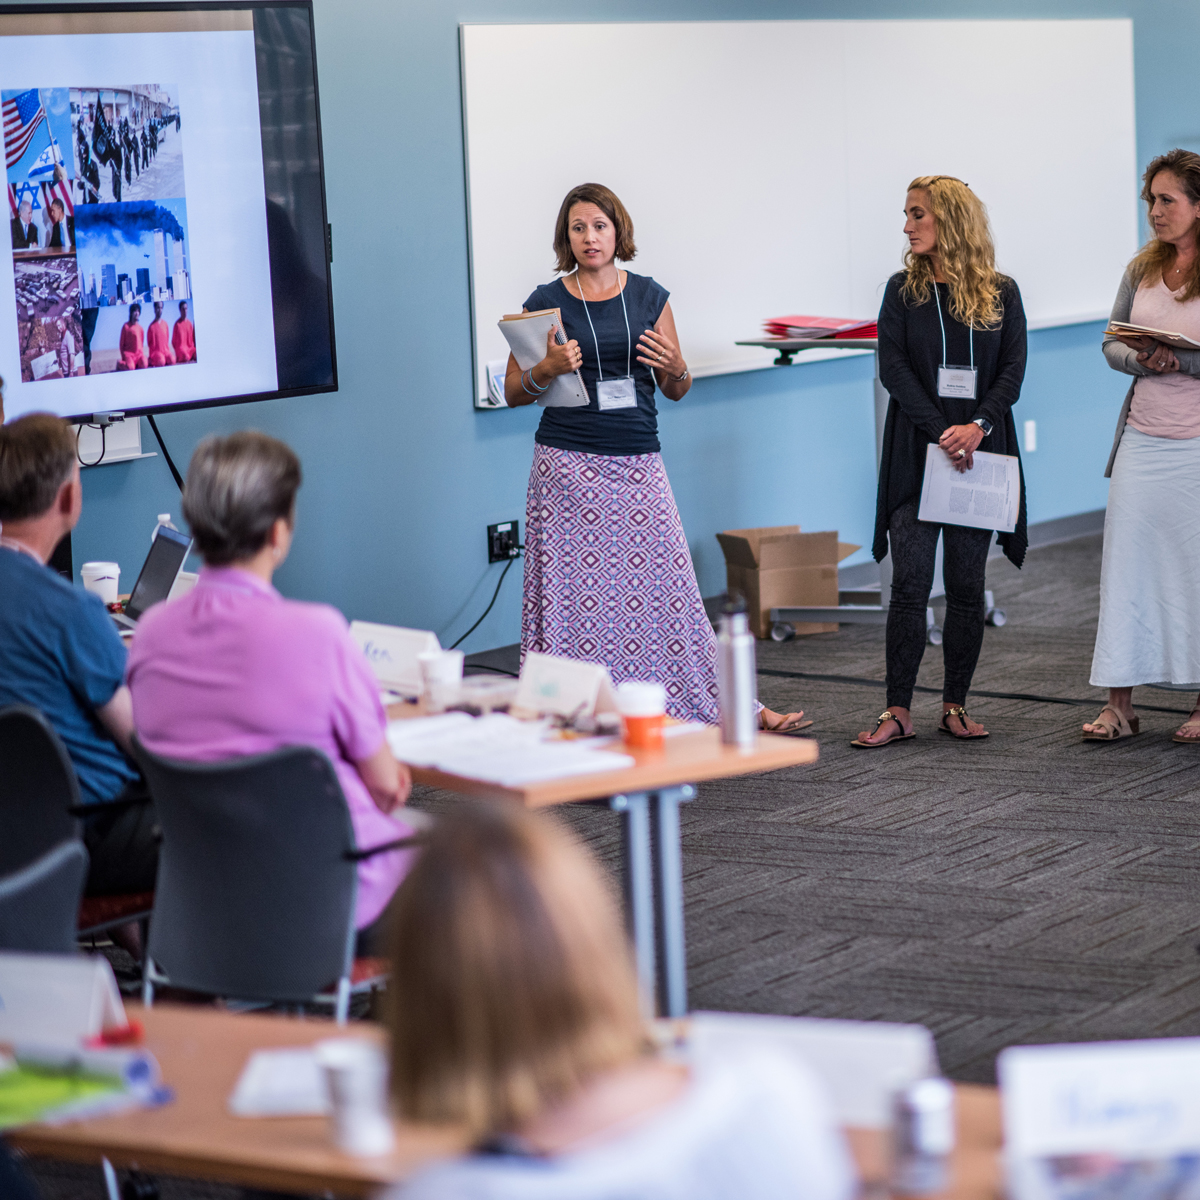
608,574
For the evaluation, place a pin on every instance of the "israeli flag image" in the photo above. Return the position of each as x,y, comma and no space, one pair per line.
43,168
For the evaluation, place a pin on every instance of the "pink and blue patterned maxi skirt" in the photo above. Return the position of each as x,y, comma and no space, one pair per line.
609,578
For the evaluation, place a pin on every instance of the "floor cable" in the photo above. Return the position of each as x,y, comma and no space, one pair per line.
1028,696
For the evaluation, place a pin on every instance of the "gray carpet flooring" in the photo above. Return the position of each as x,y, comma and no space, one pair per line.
1026,888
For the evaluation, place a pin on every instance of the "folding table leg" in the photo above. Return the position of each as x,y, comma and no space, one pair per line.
639,888
673,992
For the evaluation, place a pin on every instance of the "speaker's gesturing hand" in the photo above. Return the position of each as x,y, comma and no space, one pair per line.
658,351
559,360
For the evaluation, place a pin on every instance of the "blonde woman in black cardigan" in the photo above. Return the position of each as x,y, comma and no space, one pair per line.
949,306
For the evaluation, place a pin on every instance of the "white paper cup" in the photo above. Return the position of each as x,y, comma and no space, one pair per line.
101,578
356,1073
441,676
643,708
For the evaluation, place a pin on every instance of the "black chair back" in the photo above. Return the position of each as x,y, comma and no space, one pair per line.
38,788
39,904
256,890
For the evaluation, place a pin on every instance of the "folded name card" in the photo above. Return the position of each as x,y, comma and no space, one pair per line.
57,999
1125,1100
392,651
564,687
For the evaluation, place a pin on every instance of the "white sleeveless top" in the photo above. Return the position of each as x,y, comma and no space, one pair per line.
1166,406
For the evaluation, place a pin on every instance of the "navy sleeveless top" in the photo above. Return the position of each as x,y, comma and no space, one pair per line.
620,431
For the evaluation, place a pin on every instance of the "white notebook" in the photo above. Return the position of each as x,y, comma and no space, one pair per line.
526,336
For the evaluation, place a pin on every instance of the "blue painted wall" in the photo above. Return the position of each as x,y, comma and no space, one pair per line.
402,475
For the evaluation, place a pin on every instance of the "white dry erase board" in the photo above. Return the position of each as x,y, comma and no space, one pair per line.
764,163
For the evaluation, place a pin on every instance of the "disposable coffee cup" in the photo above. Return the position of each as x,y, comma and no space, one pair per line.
643,709
356,1074
101,578
441,677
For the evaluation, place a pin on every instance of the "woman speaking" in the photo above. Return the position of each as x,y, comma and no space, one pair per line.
608,574
1149,629
952,357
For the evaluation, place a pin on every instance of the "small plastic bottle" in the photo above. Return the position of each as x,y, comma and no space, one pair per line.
163,519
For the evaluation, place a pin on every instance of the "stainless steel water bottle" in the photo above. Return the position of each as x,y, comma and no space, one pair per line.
736,678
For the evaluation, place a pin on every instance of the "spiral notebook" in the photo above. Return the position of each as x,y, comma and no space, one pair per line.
526,336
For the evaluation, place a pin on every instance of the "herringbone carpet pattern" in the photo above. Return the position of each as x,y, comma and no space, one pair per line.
1027,888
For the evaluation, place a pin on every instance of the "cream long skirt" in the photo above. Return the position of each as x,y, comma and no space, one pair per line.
1149,628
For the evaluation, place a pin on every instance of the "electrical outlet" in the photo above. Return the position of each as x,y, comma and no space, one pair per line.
504,541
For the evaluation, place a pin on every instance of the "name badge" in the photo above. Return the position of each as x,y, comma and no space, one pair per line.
618,393
957,383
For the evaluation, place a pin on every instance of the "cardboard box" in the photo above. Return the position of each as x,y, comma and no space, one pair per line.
779,567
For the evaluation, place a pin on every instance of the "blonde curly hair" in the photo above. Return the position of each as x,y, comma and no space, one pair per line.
964,246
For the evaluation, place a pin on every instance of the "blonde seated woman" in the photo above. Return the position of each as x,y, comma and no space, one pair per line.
515,1015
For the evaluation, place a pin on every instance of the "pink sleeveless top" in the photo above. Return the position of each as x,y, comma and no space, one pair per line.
1166,406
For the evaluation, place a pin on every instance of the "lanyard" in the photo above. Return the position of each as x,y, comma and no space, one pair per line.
943,325
628,335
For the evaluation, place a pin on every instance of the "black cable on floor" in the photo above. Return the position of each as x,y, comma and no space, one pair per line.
974,692
166,453
487,610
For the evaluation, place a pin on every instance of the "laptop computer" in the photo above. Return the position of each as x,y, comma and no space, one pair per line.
168,552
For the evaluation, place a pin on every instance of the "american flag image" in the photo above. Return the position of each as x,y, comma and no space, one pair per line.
22,115
58,191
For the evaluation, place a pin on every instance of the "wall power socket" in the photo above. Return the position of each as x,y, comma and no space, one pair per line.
504,541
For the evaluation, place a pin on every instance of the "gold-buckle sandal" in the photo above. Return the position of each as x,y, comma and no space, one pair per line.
886,715
961,713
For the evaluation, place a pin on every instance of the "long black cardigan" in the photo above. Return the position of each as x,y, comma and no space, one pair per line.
910,352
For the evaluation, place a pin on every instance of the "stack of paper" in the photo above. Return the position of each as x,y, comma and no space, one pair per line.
497,749
798,326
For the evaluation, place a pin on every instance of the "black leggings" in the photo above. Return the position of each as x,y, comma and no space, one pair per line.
913,547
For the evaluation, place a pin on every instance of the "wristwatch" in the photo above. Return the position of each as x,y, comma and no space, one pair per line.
983,424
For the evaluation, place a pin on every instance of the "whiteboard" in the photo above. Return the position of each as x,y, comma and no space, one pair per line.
764,163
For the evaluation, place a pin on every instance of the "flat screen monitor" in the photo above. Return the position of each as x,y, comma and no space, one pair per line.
170,247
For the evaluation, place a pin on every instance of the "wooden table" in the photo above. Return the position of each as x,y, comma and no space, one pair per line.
202,1053
647,796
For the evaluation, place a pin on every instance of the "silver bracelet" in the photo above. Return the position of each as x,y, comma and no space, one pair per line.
681,378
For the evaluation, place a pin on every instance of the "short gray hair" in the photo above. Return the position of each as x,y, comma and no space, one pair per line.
237,488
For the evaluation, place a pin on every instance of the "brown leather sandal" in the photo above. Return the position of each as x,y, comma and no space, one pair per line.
898,737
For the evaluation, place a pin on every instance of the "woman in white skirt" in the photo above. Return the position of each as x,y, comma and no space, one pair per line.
1149,630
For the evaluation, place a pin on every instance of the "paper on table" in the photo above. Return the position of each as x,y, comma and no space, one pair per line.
281,1083
526,336
862,1063
496,748
988,496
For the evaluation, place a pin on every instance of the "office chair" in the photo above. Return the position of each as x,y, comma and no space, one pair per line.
256,880
39,807
39,903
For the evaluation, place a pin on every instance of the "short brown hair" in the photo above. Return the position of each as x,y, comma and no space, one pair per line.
37,456
513,983
237,488
1156,255
604,199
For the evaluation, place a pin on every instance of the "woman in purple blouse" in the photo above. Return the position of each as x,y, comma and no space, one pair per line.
234,669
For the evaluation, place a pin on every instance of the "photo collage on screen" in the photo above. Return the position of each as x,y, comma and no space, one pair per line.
99,229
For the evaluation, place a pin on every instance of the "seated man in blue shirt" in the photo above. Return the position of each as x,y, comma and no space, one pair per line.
60,652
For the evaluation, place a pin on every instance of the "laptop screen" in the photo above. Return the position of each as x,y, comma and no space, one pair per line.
167,553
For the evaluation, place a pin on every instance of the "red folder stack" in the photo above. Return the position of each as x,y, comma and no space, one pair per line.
818,327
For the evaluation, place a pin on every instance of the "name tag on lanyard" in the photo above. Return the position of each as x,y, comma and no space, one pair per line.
957,383
616,393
